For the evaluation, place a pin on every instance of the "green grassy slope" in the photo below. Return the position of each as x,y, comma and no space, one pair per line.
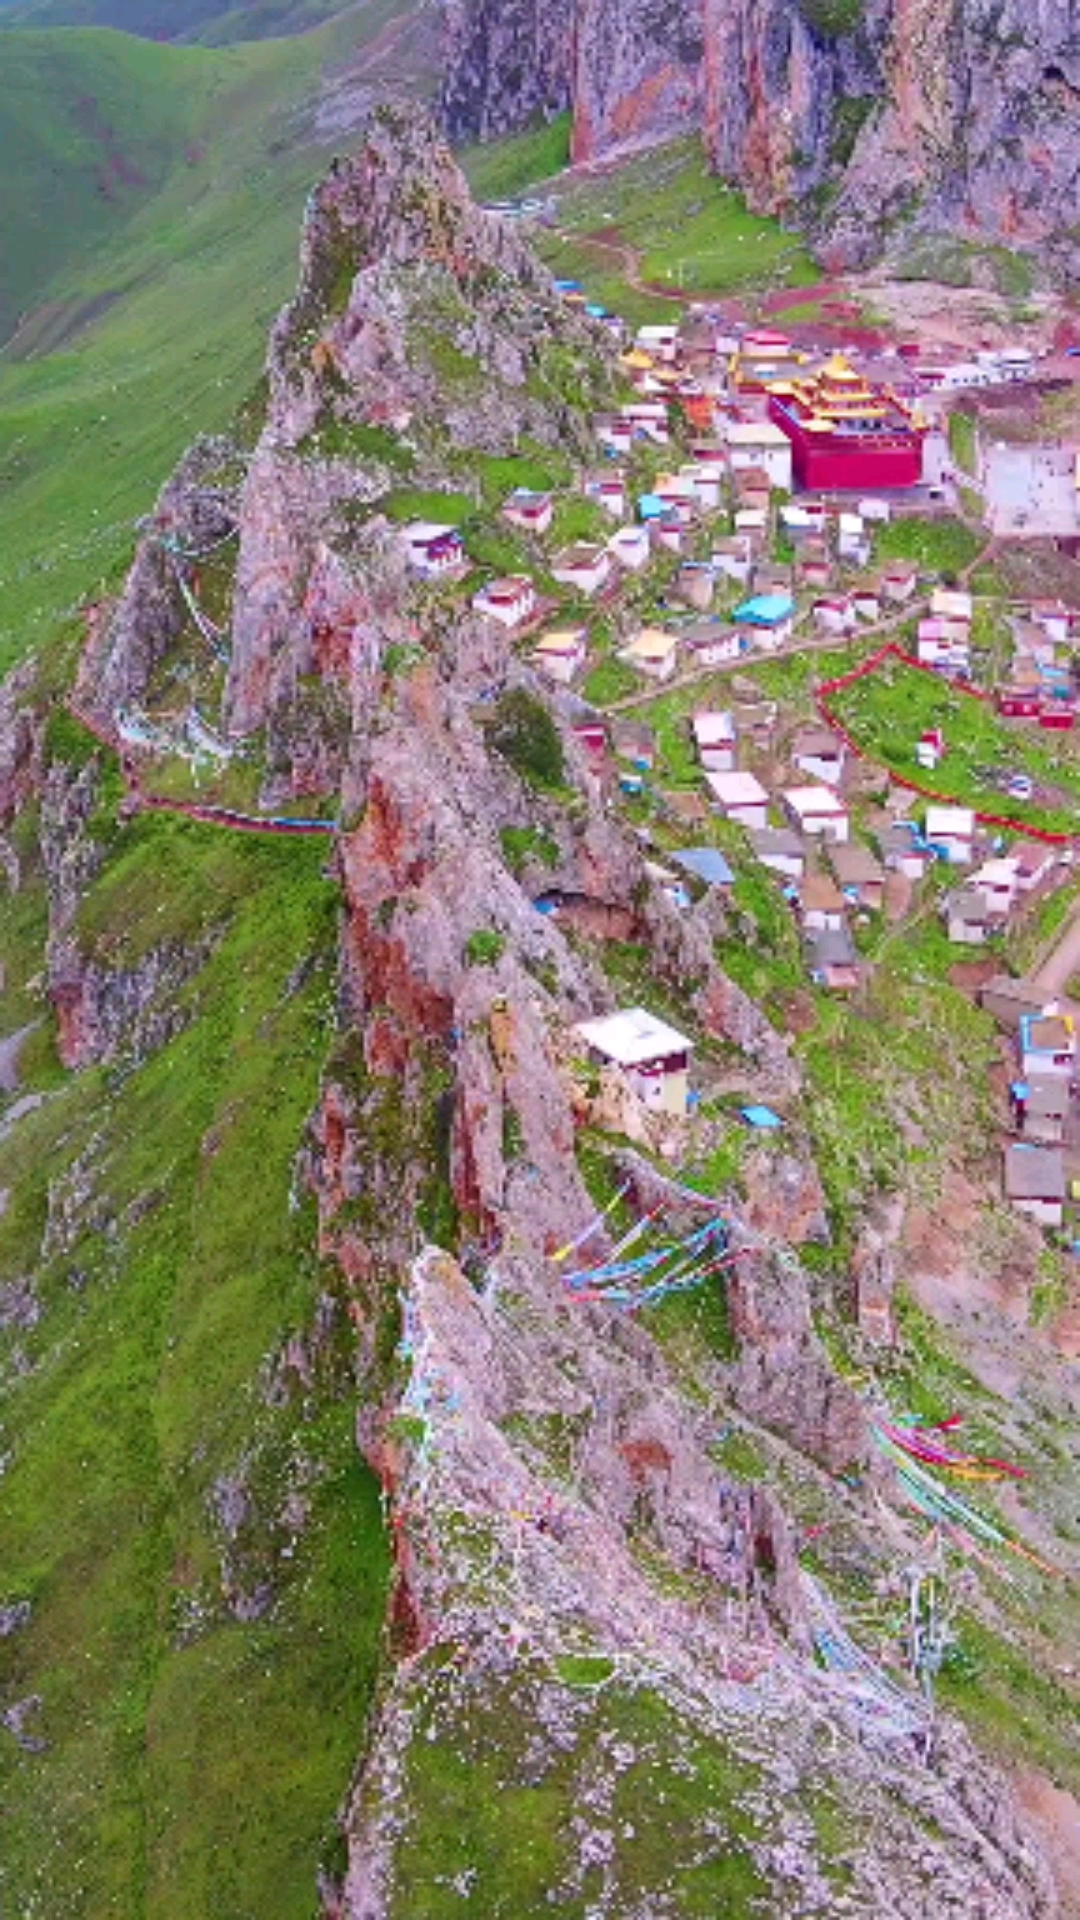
91,125
194,1757
209,21
129,353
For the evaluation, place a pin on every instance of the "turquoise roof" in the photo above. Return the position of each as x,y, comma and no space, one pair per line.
766,610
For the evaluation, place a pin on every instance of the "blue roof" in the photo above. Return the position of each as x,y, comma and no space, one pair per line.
763,1117
596,311
766,609
707,863
568,286
650,506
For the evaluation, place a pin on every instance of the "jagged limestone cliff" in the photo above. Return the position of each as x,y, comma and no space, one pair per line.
863,117
328,1129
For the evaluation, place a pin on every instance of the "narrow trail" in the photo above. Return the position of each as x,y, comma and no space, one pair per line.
816,643
10,1050
629,259
138,800
1061,962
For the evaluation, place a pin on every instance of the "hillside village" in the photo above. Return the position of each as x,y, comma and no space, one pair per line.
704,547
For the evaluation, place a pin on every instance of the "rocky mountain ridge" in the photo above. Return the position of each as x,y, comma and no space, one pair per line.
599,1685
863,118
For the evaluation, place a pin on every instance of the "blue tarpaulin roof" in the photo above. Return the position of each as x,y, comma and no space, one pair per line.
766,609
707,864
650,506
763,1117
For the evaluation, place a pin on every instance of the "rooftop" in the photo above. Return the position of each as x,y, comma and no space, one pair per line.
1034,1173
737,789
814,800
765,609
707,863
714,729
634,1037
949,821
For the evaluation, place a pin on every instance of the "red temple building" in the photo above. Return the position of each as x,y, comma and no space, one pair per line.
846,434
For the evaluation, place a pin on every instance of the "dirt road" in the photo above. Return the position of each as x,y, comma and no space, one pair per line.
1063,961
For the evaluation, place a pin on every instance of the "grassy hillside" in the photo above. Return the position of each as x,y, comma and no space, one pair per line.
155,331
211,21
184,1514
91,126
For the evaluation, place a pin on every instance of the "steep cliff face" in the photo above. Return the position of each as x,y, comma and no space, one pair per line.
956,119
631,74
858,117
506,61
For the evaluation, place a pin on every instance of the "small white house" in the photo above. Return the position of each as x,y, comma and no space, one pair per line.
740,797
614,432
733,557
952,605
867,603
1035,1182
585,568
820,754
706,477
970,919
561,654
878,511
939,646
648,420
708,643
609,492
1047,1045
761,443
654,1058
952,829
819,812
532,512
803,520
754,522
852,539
512,602
999,880
433,549
631,548
652,652
899,579
1055,620
834,613
781,850
822,906
717,741
767,618
1035,863
903,853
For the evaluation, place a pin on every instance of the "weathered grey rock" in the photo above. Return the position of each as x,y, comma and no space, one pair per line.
195,511
952,118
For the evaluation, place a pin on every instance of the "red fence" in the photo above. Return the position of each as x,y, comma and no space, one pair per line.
824,692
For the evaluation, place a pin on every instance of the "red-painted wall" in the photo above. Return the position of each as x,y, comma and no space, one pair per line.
833,465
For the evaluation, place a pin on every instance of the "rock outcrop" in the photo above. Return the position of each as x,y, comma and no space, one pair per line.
864,119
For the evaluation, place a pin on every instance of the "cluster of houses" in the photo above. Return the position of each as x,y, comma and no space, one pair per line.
670,517
1000,887
1041,685
1044,1042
